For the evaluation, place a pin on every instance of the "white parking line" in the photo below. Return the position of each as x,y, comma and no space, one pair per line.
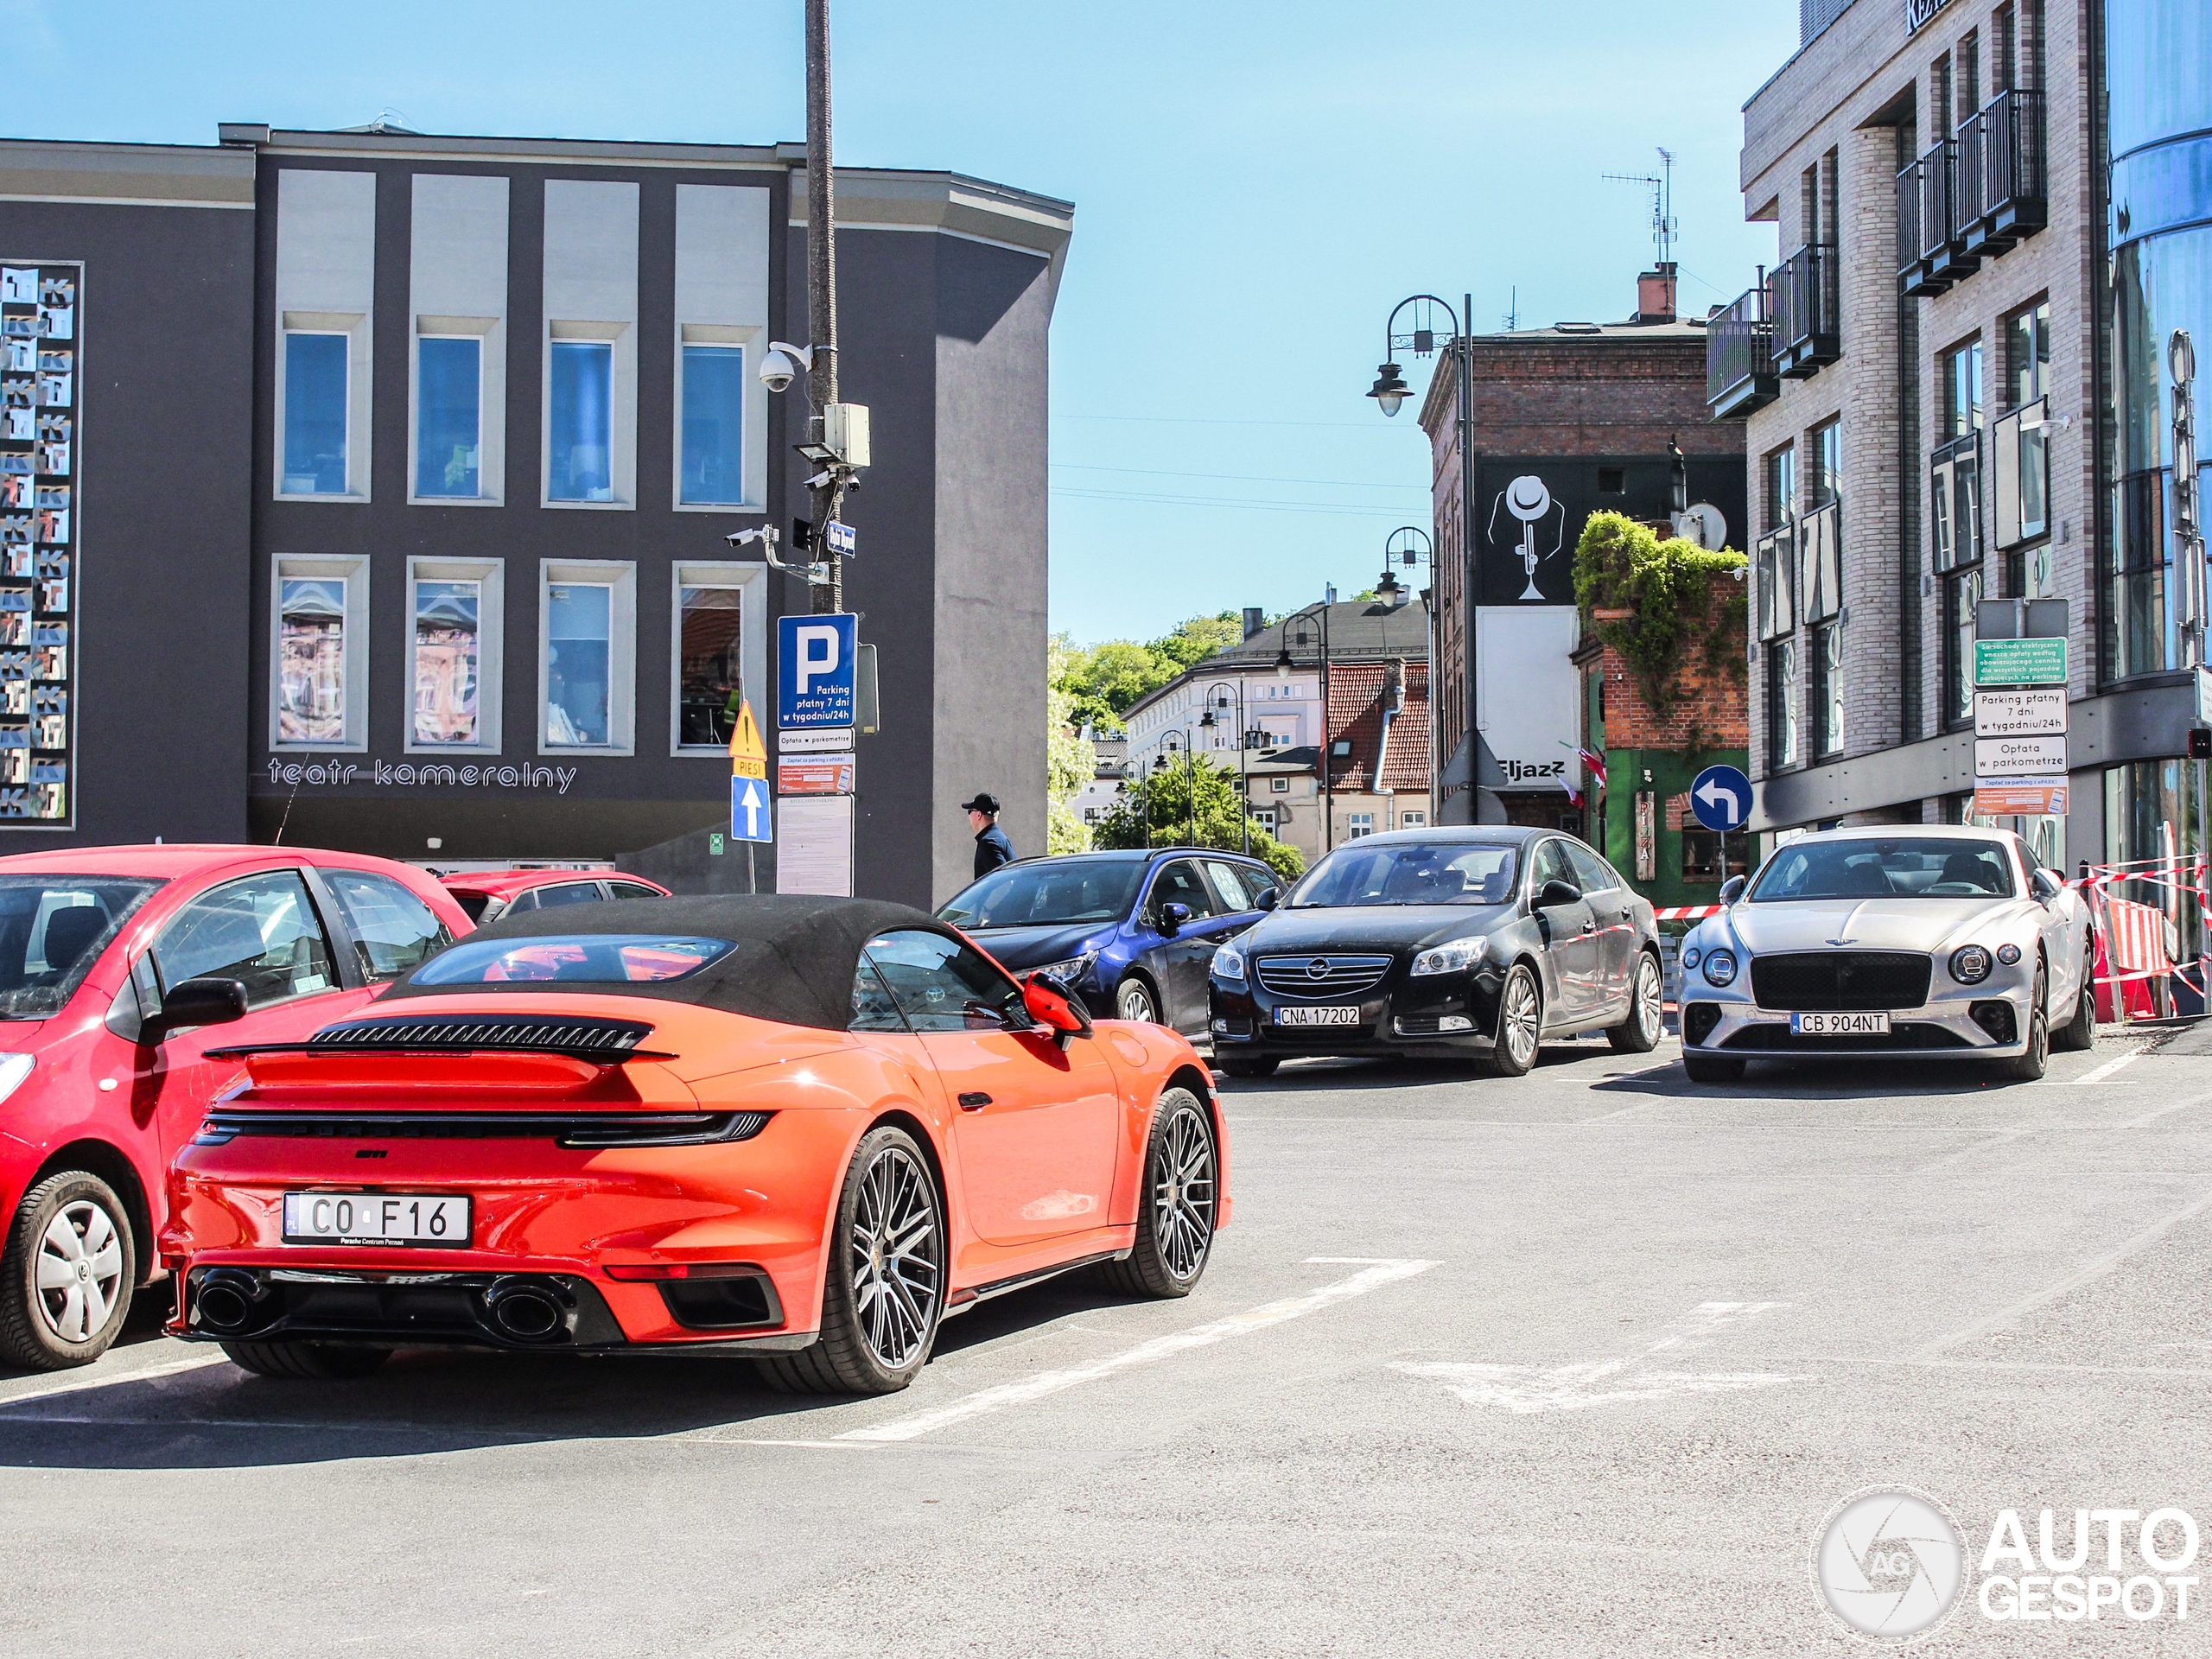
1377,1274
100,1379
2098,1074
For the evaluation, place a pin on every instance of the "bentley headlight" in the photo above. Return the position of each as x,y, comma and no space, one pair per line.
1072,972
1228,962
1720,967
1970,964
1690,959
2008,954
1455,957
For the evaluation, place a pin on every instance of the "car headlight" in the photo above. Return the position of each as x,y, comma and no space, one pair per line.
1073,972
1720,967
1690,959
2008,954
1453,957
14,1068
1970,964
1228,962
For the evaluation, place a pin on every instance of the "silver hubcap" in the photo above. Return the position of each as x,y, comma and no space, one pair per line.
80,1272
1520,1017
1182,1193
1136,1005
1650,1001
896,1256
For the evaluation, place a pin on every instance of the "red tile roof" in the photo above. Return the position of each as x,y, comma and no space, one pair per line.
1357,692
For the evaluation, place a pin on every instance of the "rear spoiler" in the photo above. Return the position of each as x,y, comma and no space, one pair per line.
575,1037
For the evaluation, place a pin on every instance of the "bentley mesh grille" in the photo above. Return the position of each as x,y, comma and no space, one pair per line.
1841,982
578,1035
1320,976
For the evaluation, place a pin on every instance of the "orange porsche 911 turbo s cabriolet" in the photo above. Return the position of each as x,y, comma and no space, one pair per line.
800,1128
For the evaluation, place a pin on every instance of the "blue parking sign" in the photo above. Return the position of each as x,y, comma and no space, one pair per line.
814,671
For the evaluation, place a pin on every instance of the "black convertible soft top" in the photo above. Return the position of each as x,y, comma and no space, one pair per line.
794,962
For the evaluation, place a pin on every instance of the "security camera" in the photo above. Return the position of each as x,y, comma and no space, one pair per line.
781,363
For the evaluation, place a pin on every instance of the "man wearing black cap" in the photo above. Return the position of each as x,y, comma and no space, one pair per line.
992,848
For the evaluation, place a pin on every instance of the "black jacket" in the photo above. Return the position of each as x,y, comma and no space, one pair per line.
992,850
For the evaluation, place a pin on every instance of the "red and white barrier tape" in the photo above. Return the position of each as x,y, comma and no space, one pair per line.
1688,912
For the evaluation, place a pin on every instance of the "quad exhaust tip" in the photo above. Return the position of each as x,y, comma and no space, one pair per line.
525,1310
225,1299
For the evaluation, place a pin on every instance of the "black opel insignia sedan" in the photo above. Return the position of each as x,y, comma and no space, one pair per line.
1435,944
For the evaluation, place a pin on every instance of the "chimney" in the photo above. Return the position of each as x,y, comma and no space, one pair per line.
1655,294
1255,620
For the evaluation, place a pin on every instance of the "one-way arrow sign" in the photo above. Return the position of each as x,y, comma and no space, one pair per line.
749,819
1721,797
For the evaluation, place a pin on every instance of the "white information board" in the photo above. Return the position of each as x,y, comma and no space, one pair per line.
814,836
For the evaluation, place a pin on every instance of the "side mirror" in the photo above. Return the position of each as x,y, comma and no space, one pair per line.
1555,893
1269,900
1732,890
197,1002
1172,918
2044,886
1054,1007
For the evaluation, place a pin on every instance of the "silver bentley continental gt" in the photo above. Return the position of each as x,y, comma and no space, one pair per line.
1932,943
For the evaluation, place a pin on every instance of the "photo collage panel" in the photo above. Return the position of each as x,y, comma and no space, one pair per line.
38,441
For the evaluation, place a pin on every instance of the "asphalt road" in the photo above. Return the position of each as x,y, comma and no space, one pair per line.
1571,1364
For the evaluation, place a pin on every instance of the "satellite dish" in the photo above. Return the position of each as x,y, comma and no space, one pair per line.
1703,524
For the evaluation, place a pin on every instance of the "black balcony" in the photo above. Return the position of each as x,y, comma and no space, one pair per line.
1804,302
2003,194
1739,373
1943,256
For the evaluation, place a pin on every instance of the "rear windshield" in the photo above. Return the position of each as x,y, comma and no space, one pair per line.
585,959
1910,866
1410,872
1053,893
52,929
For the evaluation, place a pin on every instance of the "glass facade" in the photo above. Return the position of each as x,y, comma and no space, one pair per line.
579,665
714,426
580,438
448,404
447,661
315,414
710,677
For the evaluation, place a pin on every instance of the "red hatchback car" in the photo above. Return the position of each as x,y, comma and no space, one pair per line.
119,967
486,895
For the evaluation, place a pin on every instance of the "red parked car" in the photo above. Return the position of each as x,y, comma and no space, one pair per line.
119,967
486,895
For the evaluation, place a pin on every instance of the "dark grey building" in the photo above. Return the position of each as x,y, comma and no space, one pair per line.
369,490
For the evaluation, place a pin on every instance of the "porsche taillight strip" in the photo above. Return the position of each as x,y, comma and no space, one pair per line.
575,1129
575,1036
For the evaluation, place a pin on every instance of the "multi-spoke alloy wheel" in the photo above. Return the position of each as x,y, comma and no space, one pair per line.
67,1273
1133,1000
879,1309
1175,1224
894,1246
1647,1009
1520,1022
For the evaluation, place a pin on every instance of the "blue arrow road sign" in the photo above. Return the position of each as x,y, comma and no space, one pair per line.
1721,797
749,817
814,671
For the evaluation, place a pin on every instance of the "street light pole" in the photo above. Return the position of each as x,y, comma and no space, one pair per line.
821,298
1243,756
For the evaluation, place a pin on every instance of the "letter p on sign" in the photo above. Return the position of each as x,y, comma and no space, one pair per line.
817,655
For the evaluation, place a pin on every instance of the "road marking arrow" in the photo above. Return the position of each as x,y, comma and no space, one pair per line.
1526,1388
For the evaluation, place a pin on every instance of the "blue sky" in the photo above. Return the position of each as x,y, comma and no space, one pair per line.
1254,184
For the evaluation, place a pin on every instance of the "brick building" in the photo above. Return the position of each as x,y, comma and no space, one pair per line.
1565,421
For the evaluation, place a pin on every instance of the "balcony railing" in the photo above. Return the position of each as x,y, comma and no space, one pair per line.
1739,373
1974,195
1805,301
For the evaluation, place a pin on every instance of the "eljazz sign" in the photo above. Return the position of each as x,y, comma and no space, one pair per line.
1918,12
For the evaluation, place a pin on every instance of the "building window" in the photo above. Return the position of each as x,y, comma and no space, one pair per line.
1780,473
1827,690
587,655
320,654
579,445
1264,817
448,415
720,644
1962,593
1782,714
1826,444
1700,855
454,688
1412,820
1361,823
714,426
316,394
1959,373
1279,786
1612,480
2027,354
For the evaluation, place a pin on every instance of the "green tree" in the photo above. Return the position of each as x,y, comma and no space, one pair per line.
1191,801
1191,643
1070,760
1103,681
1661,590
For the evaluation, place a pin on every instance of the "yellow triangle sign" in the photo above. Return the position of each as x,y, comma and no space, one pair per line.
748,756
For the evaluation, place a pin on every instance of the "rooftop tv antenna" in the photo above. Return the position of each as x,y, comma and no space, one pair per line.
1664,225
1512,318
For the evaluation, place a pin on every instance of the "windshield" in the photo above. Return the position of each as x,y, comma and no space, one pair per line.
1061,891
1410,872
52,929
1908,867
585,958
